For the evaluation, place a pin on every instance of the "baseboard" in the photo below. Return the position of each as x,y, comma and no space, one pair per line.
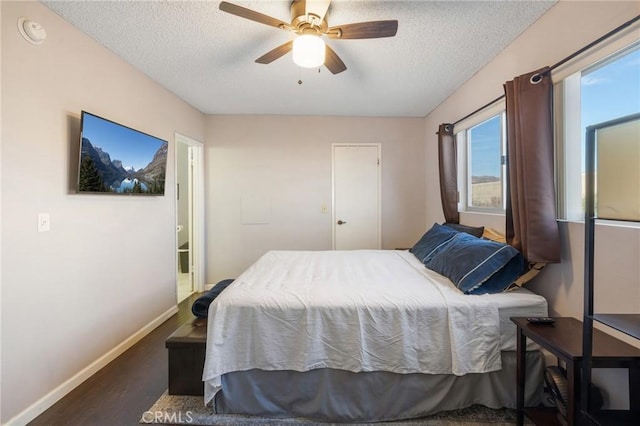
37,408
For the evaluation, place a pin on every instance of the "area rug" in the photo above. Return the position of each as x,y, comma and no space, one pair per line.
190,410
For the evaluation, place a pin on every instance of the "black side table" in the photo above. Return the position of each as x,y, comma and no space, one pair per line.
564,340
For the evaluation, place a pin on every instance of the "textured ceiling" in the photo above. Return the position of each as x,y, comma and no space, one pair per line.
206,56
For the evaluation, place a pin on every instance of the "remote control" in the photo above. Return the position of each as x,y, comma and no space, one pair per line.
541,320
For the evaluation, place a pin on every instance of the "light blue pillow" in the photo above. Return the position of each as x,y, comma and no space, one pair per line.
434,240
477,266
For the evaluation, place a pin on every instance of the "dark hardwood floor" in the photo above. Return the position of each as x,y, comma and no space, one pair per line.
119,393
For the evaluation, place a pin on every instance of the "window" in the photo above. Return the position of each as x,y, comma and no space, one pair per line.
604,91
611,89
484,147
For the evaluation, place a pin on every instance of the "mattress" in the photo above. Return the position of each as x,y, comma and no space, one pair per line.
360,310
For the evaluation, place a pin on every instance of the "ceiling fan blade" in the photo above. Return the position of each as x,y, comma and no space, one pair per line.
252,15
317,7
333,62
372,29
276,53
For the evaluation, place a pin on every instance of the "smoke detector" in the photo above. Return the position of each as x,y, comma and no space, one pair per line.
31,31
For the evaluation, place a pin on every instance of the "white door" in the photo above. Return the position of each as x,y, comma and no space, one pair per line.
184,200
356,196
189,215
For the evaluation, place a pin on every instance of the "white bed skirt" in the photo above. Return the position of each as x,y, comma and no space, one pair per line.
343,396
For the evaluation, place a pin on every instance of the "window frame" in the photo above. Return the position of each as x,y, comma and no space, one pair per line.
569,131
464,179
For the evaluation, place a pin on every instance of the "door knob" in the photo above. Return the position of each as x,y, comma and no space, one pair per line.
340,222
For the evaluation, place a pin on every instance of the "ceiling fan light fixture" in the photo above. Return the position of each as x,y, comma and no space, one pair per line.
308,51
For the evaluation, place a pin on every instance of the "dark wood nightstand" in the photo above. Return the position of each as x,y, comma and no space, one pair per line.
564,340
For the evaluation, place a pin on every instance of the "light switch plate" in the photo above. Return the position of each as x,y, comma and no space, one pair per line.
44,222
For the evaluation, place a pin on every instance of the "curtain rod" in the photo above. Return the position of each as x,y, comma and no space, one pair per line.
561,62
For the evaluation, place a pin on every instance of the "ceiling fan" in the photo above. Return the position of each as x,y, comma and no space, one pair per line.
309,22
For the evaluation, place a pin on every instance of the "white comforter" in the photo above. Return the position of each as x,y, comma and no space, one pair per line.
362,310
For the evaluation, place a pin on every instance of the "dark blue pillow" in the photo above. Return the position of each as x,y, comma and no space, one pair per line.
478,266
434,240
476,231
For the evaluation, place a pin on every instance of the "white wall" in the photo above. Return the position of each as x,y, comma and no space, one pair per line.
107,268
565,28
287,159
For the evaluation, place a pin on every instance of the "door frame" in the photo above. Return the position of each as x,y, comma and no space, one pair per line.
197,258
333,189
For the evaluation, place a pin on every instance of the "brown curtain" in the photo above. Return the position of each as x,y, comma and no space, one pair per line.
448,173
531,225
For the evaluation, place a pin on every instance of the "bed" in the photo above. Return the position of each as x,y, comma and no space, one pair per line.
362,335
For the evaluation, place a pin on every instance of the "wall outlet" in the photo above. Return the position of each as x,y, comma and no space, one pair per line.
44,222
